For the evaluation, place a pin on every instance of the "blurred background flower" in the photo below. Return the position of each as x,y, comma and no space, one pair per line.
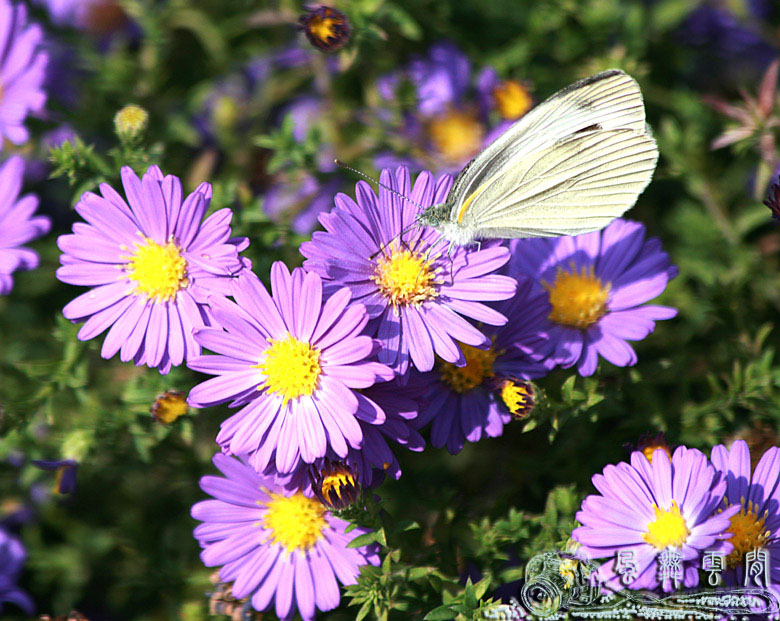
12,558
443,112
18,225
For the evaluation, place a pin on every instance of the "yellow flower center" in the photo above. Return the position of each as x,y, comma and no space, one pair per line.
159,271
518,397
456,135
169,406
479,367
578,299
323,26
650,444
291,368
225,112
668,529
295,522
405,278
748,532
649,450
512,99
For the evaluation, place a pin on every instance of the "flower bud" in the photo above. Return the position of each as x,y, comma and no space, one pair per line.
130,122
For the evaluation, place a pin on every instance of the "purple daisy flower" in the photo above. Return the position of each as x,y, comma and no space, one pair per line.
12,557
452,119
225,108
306,113
295,361
66,11
400,405
102,18
152,264
274,543
443,129
415,294
477,400
22,71
441,79
597,285
301,201
37,167
756,496
17,224
510,99
653,506
715,29
375,458
66,471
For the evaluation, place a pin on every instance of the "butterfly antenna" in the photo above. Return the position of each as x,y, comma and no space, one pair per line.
379,184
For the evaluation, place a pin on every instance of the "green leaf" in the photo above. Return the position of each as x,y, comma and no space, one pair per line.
530,425
440,613
470,594
362,540
481,588
363,612
567,388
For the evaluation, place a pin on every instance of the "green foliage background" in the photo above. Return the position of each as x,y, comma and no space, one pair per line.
121,546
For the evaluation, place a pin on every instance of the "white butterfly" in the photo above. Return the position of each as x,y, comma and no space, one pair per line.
571,165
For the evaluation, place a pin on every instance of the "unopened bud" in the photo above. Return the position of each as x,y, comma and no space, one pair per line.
130,122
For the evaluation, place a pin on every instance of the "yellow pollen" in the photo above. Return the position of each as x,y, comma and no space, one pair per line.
578,299
326,28
649,450
131,120
456,135
479,367
322,27
518,398
169,406
335,481
405,278
295,522
649,444
748,532
291,368
337,486
159,271
512,99
668,529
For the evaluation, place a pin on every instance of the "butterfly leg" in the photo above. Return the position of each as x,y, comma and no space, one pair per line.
384,247
452,263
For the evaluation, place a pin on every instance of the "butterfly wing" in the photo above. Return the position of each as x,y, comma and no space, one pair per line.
576,186
609,105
